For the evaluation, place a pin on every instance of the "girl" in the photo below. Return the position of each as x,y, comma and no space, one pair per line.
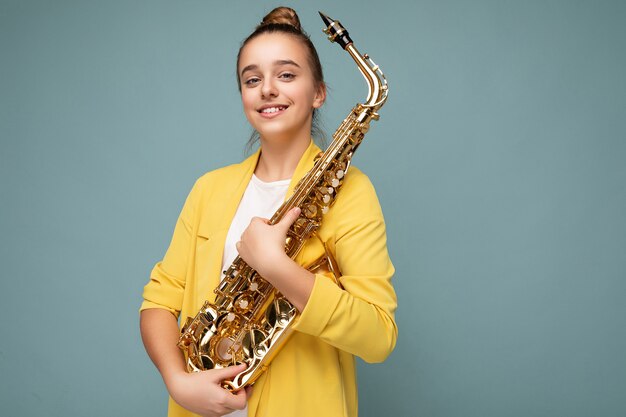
281,84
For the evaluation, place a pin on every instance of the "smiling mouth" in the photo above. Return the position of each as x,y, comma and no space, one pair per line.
271,110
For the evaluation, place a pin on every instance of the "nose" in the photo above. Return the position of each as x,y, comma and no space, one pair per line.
268,89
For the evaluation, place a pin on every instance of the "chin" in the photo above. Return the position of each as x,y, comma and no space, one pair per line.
274,132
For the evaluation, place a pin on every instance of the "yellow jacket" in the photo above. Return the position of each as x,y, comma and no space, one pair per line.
314,374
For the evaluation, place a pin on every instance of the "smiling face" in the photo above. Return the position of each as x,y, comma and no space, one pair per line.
278,90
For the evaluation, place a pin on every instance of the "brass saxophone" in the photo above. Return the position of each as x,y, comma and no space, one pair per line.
250,320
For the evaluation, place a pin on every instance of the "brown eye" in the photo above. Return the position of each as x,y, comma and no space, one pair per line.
251,81
287,76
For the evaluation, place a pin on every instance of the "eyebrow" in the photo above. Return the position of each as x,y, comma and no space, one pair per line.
277,63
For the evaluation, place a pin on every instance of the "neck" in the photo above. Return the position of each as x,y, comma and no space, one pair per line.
278,161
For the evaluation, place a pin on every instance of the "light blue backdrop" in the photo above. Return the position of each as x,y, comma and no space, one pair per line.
499,161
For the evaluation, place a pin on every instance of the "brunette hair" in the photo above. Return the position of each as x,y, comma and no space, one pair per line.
285,20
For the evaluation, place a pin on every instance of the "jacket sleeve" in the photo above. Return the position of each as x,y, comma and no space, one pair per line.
167,280
359,318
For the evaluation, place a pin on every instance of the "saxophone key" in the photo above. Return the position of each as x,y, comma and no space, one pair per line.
254,343
310,211
331,179
226,349
243,303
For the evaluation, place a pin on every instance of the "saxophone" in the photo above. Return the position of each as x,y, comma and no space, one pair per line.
250,320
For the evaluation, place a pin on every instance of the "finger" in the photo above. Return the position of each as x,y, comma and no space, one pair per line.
290,217
238,245
228,372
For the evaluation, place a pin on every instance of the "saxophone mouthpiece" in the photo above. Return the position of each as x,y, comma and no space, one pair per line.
336,32
327,20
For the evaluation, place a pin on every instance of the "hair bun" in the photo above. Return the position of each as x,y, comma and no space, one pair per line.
282,16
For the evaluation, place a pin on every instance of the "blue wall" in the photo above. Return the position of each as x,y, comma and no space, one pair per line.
499,162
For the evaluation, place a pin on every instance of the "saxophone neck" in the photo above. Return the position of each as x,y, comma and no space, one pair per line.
374,77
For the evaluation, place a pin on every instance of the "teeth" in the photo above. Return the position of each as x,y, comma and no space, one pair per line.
272,109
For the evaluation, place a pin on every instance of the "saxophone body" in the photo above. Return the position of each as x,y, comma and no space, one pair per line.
249,320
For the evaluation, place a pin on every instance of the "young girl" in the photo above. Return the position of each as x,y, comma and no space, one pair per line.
225,214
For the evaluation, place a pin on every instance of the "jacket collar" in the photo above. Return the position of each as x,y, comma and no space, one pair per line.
304,166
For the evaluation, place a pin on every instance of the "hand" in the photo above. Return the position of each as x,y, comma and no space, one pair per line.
262,246
202,393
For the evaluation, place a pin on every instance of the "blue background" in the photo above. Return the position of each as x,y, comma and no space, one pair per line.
499,161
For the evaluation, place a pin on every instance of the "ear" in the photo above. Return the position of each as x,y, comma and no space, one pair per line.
320,96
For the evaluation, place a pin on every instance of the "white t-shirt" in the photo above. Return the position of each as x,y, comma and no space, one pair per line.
261,199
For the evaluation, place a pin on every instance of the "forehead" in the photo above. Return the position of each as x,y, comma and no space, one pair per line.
271,47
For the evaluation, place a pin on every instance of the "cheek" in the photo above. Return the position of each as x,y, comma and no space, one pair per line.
308,94
247,101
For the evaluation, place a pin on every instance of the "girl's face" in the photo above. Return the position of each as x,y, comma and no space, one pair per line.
278,90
